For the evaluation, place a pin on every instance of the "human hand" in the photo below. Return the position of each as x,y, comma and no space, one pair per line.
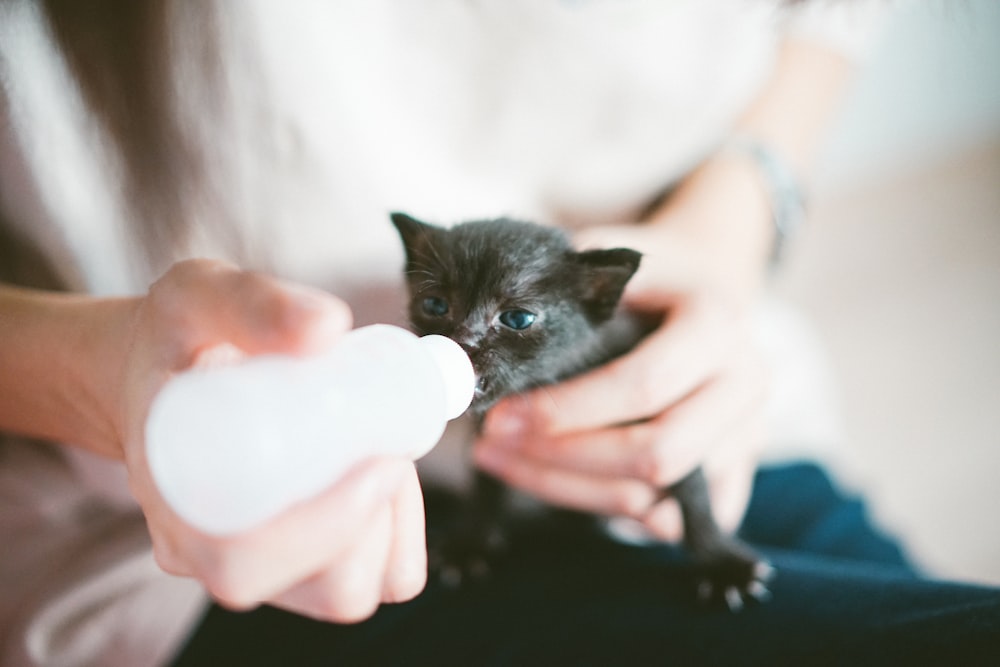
335,557
691,393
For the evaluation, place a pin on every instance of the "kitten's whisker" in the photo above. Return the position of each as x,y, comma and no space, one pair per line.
437,255
426,284
421,270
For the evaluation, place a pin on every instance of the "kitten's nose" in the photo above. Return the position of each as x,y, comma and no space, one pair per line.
466,340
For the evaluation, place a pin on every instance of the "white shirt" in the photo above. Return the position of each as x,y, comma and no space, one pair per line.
569,112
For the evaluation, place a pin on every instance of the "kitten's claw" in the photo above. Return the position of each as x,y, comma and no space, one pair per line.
758,591
763,572
734,600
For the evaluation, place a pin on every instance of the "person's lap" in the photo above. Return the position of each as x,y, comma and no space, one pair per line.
567,594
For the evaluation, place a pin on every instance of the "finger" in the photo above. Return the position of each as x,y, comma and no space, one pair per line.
730,488
208,302
731,470
350,588
659,451
392,568
244,570
407,569
610,496
695,428
666,366
618,451
664,521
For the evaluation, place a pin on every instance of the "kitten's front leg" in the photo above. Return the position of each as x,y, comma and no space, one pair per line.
730,570
469,549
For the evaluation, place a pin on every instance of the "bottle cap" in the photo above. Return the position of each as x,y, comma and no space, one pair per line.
456,371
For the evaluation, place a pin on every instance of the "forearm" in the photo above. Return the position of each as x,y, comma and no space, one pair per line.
724,206
60,358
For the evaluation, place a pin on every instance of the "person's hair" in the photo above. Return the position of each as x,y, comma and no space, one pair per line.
124,54
23,264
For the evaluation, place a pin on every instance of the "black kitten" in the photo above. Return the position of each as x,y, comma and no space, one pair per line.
531,311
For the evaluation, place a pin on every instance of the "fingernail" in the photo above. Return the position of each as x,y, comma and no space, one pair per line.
505,423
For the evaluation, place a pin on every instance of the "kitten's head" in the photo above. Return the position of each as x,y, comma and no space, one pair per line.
516,296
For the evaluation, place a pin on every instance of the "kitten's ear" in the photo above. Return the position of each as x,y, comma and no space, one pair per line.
416,235
606,272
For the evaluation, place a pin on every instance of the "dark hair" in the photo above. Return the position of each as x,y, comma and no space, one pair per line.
120,53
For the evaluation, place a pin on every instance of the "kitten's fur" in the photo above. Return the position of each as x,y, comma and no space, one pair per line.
531,311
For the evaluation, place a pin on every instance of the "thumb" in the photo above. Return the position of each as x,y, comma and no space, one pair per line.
213,303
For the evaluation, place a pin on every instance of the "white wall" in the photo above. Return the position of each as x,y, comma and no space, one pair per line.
899,269
930,89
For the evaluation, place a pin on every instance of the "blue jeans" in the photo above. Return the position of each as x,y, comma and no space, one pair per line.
567,595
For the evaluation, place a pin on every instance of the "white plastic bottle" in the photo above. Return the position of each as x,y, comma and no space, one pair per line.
230,447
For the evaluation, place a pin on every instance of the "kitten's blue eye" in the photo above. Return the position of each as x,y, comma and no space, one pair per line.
517,319
435,306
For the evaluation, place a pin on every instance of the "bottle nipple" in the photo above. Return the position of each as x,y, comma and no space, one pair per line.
456,371
229,447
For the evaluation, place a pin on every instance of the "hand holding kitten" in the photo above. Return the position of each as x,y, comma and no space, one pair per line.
697,383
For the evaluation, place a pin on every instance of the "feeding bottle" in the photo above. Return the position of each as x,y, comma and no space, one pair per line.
230,447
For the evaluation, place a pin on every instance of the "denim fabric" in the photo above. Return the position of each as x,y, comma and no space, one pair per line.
567,595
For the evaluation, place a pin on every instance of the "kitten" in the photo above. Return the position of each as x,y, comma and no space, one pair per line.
531,311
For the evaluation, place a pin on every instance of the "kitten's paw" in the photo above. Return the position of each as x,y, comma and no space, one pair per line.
734,577
464,558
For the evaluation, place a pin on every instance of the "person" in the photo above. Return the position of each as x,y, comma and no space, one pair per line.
212,180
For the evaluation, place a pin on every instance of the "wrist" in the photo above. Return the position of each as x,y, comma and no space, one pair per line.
776,177
105,346
63,359
722,216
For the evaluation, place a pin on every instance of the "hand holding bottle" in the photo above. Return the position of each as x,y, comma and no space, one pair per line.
336,555
230,447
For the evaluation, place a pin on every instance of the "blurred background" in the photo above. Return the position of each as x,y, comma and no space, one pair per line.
899,269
